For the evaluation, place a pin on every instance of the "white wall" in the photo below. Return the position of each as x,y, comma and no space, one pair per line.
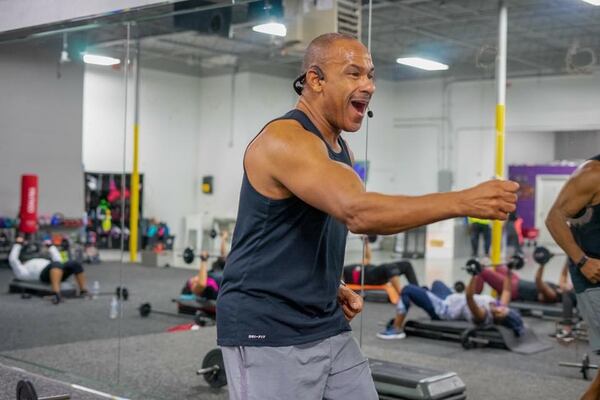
40,130
226,128
169,130
535,109
191,128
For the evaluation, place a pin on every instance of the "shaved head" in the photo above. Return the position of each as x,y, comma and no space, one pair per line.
322,49
337,81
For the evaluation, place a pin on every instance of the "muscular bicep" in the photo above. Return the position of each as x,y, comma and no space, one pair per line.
301,163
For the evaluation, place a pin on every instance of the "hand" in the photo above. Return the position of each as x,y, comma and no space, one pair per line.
351,302
490,200
20,240
591,270
204,256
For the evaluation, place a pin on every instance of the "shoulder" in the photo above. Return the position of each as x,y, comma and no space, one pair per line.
588,174
590,167
284,136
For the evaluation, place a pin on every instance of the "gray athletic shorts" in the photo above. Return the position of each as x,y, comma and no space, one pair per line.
588,305
333,368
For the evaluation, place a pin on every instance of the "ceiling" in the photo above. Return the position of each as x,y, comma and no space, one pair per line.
460,33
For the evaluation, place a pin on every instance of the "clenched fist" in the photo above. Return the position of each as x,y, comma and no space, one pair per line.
490,200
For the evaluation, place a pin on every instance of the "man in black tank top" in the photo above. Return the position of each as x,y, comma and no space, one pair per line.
574,222
282,315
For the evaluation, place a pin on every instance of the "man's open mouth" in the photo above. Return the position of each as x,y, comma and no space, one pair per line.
360,106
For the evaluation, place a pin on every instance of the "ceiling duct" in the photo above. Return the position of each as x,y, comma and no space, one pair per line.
310,18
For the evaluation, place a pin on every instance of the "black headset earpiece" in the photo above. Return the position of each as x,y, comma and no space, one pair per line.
298,84
319,72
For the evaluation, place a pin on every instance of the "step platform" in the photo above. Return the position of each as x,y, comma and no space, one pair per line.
38,288
395,381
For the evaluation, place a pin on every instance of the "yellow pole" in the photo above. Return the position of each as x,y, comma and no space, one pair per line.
500,136
500,118
135,198
134,205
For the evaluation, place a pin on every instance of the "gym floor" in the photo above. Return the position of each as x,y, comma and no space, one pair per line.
136,358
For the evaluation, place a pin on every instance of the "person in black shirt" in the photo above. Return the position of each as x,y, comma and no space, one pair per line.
574,223
379,274
282,315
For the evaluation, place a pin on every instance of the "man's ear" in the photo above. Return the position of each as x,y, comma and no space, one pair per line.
314,79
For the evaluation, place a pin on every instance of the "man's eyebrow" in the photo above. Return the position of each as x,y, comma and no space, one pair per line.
371,70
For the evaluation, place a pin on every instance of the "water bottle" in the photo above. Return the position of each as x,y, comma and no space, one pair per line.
114,308
95,290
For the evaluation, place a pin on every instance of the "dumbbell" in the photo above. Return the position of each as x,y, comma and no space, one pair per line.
213,369
189,256
122,292
26,391
542,255
474,267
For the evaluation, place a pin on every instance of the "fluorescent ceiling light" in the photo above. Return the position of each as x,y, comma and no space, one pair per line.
100,60
593,2
271,28
422,63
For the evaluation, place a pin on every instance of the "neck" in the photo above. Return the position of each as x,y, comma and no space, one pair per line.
329,132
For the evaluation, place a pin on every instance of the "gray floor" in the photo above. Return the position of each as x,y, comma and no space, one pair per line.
132,357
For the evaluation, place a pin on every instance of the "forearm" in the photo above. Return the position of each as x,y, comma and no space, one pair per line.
367,254
478,312
563,281
373,212
55,254
223,247
13,260
556,222
506,295
538,277
202,274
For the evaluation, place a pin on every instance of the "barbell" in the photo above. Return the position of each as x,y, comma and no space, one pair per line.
542,255
201,318
213,369
474,267
189,256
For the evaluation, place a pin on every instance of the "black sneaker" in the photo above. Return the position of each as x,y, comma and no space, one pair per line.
56,299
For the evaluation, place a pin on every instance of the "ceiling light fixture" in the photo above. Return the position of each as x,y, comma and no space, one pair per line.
422,63
271,28
100,60
593,2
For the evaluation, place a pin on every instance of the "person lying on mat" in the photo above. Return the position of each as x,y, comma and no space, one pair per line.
532,291
379,274
52,271
205,284
441,303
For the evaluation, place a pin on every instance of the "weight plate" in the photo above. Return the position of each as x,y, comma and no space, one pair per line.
26,391
218,378
188,256
145,309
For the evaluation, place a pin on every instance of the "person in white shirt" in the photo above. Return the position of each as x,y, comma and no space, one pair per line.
442,304
52,271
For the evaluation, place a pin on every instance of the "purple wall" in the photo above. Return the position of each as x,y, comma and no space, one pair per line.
525,175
